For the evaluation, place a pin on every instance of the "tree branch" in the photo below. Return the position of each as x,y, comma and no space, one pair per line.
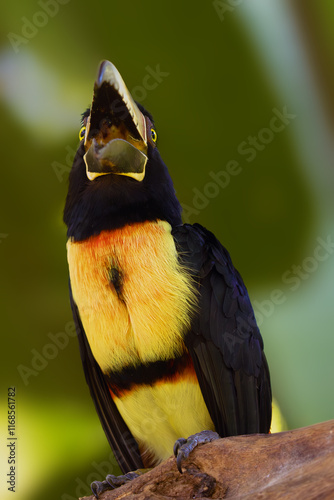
295,464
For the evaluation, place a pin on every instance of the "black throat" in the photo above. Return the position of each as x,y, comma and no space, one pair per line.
113,201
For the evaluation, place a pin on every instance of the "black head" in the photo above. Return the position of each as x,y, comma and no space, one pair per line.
118,176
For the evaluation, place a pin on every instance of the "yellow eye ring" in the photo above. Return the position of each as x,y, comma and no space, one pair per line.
154,135
82,132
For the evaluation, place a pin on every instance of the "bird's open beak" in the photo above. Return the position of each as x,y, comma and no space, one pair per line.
116,137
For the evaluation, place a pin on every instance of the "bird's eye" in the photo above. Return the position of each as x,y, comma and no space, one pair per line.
82,132
154,135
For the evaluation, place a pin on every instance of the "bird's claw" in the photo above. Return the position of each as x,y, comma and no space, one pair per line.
183,447
111,482
177,445
99,487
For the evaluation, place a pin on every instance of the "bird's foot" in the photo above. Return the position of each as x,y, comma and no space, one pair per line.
183,447
111,482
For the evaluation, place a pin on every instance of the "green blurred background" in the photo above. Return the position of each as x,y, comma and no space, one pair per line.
226,69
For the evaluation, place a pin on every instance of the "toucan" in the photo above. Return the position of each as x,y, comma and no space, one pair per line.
170,347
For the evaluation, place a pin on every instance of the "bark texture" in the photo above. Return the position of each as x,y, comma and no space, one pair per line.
296,464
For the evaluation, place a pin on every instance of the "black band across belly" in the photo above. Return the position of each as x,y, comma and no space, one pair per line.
147,374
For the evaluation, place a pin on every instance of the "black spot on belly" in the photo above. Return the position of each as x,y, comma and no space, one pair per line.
116,280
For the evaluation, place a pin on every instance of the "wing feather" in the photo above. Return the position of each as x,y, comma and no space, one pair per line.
224,340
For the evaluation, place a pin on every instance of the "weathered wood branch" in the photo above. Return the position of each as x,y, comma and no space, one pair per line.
296,464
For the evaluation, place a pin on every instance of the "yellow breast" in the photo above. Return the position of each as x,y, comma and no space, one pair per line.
158,415
134,298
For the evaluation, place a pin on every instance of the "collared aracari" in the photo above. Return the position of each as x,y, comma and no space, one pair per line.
168,339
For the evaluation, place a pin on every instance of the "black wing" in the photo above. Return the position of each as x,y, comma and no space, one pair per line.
224,342
122,442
